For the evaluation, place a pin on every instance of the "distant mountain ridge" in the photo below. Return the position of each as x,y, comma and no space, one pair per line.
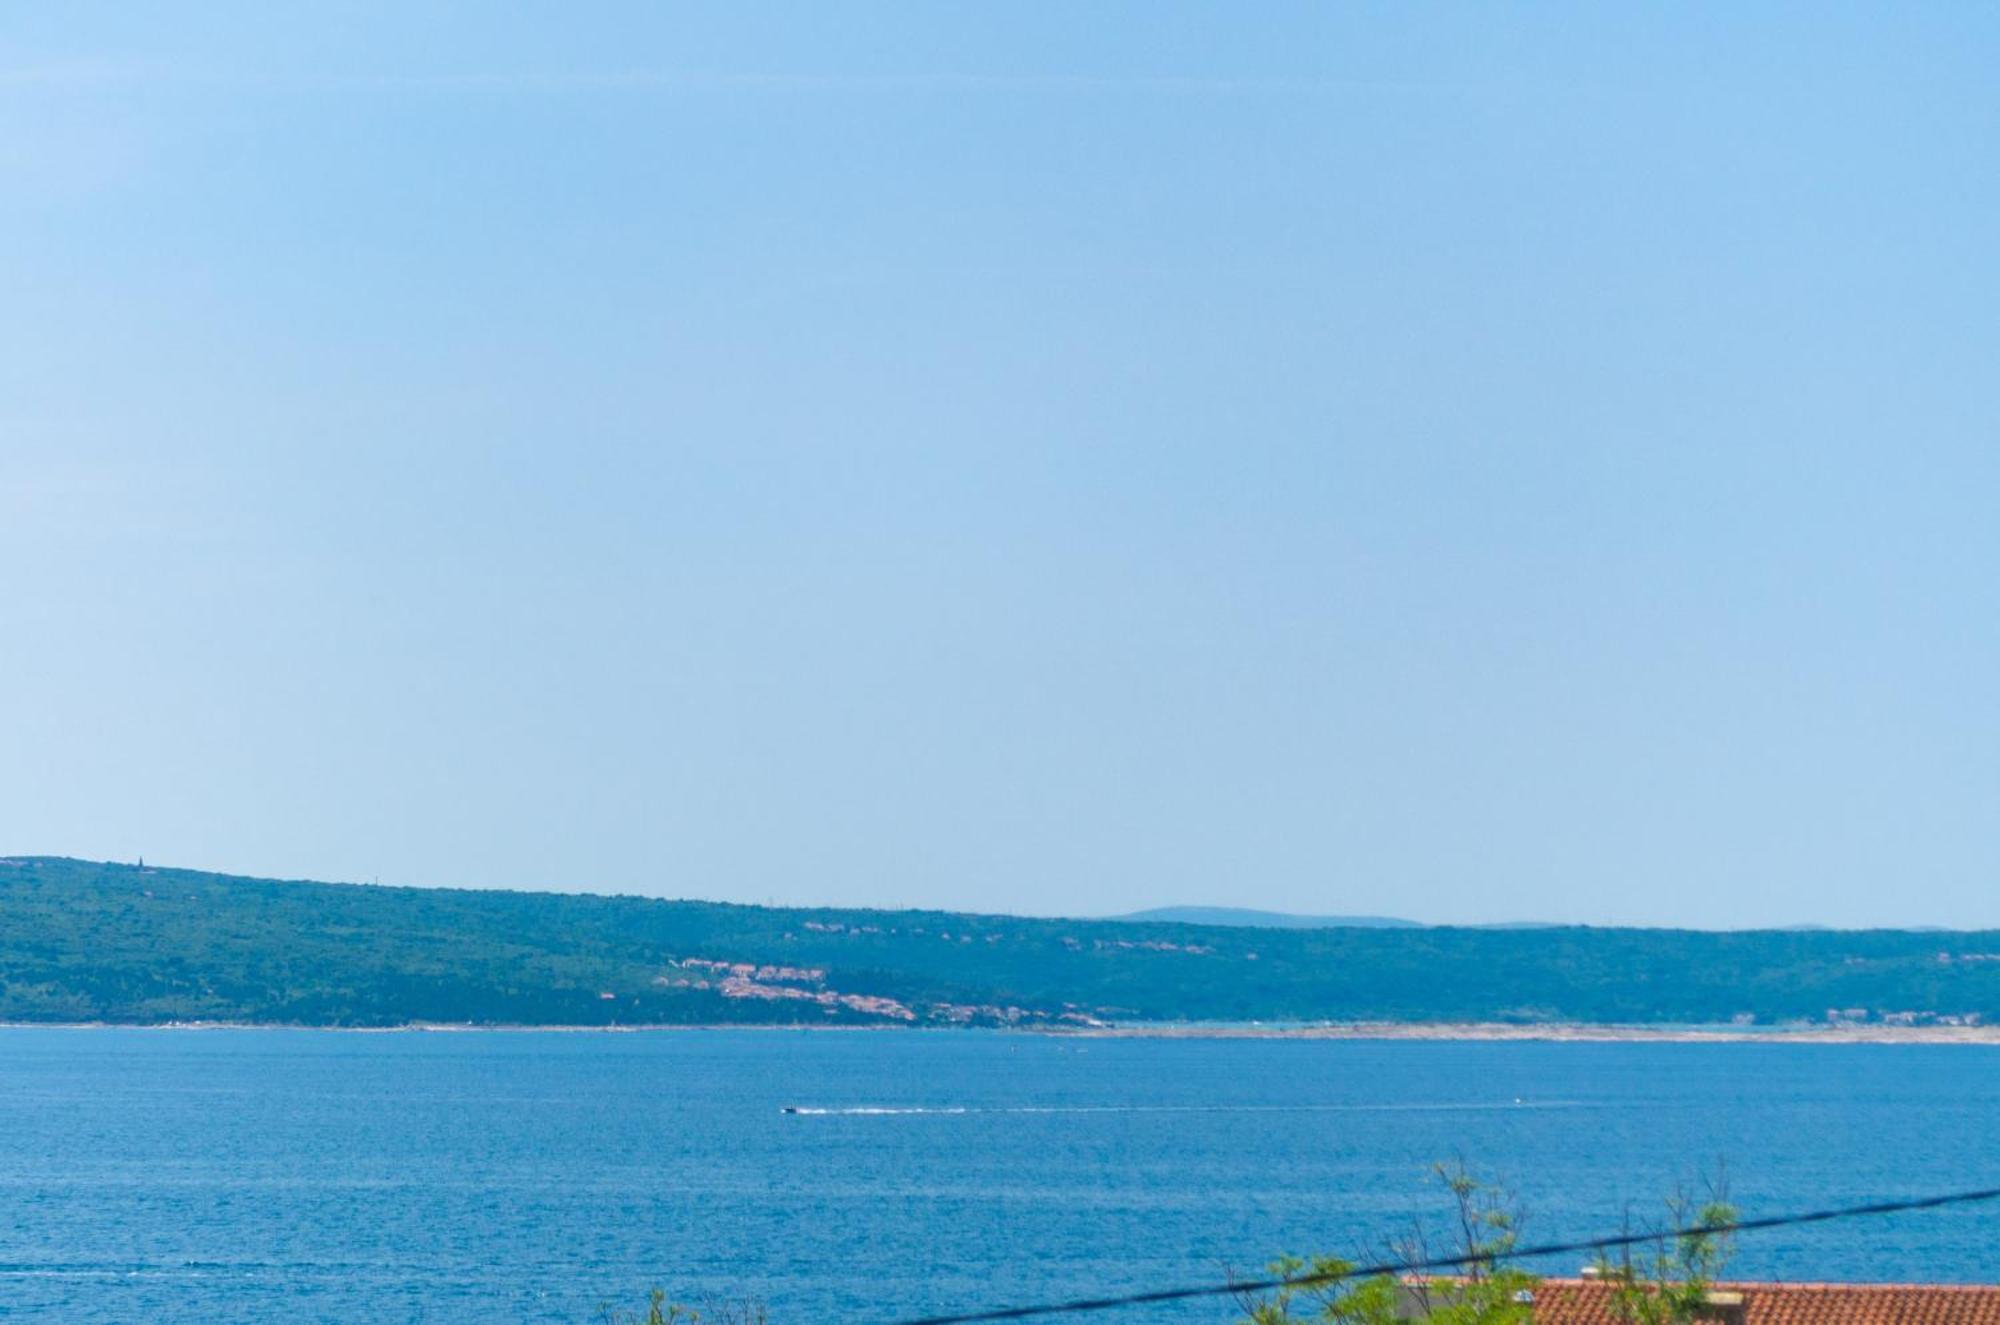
86,941
1240,917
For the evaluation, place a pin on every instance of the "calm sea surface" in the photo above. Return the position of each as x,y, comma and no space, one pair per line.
226,1176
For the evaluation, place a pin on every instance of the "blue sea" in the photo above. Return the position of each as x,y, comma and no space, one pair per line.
222,1176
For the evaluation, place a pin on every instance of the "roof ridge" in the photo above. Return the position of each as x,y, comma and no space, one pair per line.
1793,1285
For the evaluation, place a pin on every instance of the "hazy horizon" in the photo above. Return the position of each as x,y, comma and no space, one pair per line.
1165,913
1464,464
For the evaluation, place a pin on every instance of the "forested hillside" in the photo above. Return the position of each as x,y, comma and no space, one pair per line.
82,941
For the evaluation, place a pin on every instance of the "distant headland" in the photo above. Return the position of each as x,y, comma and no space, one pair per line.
87,942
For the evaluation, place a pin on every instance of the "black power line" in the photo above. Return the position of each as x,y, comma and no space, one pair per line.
1454,1262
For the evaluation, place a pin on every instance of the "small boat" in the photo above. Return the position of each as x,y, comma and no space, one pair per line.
791,1108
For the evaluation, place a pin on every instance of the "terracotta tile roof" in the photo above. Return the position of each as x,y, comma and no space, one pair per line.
1585,1302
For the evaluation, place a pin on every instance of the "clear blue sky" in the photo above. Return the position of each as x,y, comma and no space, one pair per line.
1470,463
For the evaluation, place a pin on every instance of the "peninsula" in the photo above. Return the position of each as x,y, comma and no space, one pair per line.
95,942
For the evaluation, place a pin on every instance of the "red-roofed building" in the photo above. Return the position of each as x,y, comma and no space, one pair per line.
1589,1302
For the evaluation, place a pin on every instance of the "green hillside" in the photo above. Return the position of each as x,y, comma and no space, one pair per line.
81,941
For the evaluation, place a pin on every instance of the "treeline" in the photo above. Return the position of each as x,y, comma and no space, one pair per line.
85,941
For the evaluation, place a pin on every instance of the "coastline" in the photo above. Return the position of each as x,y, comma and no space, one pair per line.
1563,1032
1469,1032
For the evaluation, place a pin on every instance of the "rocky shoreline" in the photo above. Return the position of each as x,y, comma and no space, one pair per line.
1552,1032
